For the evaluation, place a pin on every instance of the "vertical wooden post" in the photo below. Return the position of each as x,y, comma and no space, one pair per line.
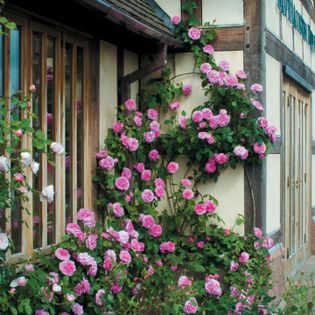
254,183
197,12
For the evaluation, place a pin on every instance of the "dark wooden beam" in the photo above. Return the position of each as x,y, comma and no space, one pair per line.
277,49
254,175
229,38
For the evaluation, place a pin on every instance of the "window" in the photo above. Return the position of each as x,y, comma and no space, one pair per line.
56,63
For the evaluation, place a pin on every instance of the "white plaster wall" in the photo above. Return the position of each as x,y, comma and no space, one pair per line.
273,90
227,12
313,115
229,190
273,182
287,32
298,44
171,7
273,17
108,88
131,64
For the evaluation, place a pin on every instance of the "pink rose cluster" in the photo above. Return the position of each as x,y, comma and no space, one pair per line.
241,152
107,163
88,261
260,149
214,121
217,158
184,282
206,207
270,131
148,222
131,144
87,216
194,33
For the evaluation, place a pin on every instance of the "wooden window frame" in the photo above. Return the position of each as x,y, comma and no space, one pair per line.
61,36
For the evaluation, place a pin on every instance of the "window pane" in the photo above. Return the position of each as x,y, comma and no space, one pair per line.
79,120
37,182
68,122
51,134
15,72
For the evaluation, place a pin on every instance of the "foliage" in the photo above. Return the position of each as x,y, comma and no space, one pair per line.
299,297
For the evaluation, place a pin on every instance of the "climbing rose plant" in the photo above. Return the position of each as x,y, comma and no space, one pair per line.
160,246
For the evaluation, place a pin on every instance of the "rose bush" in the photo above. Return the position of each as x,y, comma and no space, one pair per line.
160,246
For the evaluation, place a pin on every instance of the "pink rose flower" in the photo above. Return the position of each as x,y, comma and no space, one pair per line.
149,136
205,67
138,121
57,148
125,257
116,288
41,312
155,230
197,116
77,309
231,80
241,74
227,232
200,244
259,148
167,247
152,114
140,167
241,152
223,118
210,206
159,182
212,287
262,122
107,163
91,241
184,282
234,266
18,177
147,196
146,175
130,105
182,121
62,254
194,33
173,106
126,173
82,287
172,167
268,242
146,220
224,65
73,228
159,191
153,155
175,19
187,89
118,210
29,267
87,216
190,306
101,154
123,237
240,86
200,209
258,105
67,267
98,297
210,167
188,194
159,263
207,113
155,126
122,183
244,257
185,182
256,88
221,158
258,232
208,49
118,127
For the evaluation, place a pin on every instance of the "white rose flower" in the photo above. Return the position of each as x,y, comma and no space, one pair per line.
4,241
47,194
4,164
57,148
56,288
35,167
25,159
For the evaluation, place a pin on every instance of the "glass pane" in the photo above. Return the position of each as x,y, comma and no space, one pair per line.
79,105
37,182
51,215
68,129
15,72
